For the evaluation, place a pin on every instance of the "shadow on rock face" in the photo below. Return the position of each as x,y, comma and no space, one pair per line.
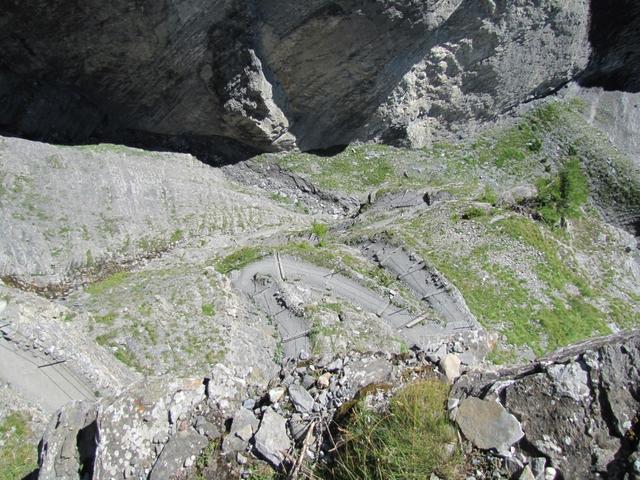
225,79
615,39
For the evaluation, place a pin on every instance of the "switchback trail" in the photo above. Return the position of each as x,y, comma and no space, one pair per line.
266,280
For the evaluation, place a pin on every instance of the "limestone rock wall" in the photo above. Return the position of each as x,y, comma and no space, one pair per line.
280,73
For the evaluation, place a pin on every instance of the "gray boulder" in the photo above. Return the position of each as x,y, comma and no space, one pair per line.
487,424
301,399
244,425
272,441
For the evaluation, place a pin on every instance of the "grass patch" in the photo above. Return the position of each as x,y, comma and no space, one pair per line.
18,456
412,440
206,459
106,339
474,212
510,147
238,259
501,300
556,273
109,283
108,319
356,169
489,196
320,231
208,310
502,305
176,236
126,356
561,197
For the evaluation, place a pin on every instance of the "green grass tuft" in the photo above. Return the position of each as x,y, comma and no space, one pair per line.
238,259
412,440
108,319
109,283
320,231
208,310
18,456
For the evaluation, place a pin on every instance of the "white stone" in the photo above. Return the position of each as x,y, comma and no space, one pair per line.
450,365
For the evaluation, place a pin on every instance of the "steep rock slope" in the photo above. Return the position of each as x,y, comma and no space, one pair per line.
280,73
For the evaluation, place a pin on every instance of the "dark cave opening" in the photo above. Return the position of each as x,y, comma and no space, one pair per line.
87,443
615,38
328,152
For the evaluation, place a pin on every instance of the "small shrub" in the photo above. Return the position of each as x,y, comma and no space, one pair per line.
320,230
561,197
208,310
412,440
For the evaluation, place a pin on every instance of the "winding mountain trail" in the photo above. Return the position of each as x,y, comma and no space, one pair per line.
266,280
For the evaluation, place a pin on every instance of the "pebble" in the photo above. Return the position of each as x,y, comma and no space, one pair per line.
276,394
324,380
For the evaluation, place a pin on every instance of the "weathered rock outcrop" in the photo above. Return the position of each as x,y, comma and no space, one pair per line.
570,415
152,430
46,359
578,408
275,74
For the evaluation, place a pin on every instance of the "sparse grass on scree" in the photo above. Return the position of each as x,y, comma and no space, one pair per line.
17,452
410,441
238,259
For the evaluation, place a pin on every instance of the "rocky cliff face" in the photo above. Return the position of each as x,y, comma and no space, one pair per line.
578,409
279,74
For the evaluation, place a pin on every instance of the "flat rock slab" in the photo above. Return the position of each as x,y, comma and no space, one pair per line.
243,427
178,453
487,424
301,399
272,441
363,374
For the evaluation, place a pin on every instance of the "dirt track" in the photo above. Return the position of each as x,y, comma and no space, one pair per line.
263,280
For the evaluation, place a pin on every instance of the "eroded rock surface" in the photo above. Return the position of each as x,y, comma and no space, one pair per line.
275,74
578,408
150,429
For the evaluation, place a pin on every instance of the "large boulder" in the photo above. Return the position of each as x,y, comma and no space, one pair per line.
578,408
487,424
280,73
152,428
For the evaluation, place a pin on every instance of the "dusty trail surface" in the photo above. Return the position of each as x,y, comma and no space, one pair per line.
265,280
